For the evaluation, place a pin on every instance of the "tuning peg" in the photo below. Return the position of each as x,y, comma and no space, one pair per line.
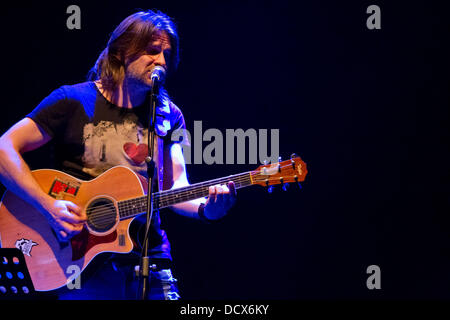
286,186
270,189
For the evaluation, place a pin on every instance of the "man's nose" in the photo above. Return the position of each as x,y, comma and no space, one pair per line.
161,60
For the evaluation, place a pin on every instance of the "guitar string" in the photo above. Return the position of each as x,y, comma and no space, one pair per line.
244,177
125,209
106,209
100,214
169,194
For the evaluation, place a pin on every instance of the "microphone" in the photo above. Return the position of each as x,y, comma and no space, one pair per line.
158,74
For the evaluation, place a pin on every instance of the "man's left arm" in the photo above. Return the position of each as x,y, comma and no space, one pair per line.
220,199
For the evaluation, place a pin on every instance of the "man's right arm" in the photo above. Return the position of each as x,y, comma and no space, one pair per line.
64,216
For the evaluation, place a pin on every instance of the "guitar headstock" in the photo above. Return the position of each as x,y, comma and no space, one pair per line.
288,171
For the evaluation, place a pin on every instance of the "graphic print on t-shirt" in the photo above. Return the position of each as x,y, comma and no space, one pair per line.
136,152
108,144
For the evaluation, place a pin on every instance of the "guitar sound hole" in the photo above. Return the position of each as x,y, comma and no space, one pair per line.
101,214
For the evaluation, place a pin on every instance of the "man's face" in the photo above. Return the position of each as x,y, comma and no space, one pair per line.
138,69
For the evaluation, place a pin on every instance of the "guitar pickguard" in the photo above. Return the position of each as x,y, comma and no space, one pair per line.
82,242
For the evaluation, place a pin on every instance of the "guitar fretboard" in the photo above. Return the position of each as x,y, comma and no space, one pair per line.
163,199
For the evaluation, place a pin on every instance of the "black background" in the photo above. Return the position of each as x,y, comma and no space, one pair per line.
367,110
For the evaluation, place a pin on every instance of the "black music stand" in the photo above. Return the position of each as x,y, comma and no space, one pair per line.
15,280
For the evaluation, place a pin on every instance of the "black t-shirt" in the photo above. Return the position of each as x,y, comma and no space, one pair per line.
92,135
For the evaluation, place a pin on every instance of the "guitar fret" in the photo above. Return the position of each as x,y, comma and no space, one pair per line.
163,199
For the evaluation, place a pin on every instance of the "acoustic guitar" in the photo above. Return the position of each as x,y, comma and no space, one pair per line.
111,201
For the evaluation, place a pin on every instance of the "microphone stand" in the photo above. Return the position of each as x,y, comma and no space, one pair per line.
144,267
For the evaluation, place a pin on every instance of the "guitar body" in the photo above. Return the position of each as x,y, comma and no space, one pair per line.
50,262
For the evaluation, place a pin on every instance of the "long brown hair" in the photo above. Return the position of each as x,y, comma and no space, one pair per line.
130,38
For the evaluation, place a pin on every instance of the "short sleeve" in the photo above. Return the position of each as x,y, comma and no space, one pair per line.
51,114
178,132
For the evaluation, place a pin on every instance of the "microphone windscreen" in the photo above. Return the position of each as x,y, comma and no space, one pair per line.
158,74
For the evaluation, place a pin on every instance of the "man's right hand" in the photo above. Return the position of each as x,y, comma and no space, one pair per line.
65,217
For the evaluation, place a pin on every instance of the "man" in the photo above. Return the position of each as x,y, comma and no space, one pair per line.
99,124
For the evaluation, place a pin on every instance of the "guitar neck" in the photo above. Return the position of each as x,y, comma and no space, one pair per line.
166,198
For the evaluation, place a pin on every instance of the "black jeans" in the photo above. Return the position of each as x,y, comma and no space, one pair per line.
115,279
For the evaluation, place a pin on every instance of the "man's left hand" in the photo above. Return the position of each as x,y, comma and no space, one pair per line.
221,199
